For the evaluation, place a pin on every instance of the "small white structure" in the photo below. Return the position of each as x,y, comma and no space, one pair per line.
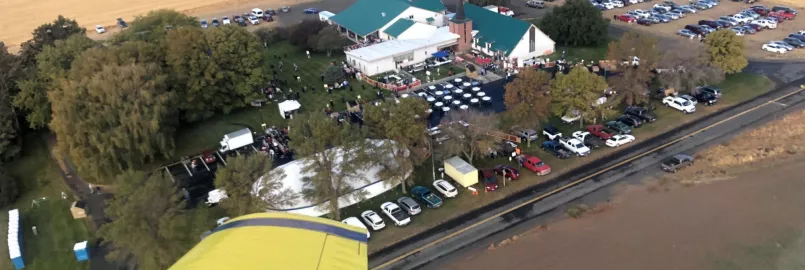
236,140
293,175
461,171
289,107
398,53
325,16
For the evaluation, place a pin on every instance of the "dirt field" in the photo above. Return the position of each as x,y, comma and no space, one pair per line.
726,7
19,17
752,222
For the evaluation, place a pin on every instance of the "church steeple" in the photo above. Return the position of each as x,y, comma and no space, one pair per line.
459,17
461,26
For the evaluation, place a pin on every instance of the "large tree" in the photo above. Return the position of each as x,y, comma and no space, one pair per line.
238,180
327,40
726,51
118,118
685,66
53,66
528,97
403,123
333,74
305,30
334,157
150,227
154,26
9,188
632,84
469,141
48,34
575,23
578,90
215,70
10,72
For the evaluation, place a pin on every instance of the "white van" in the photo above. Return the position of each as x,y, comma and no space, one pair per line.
257,13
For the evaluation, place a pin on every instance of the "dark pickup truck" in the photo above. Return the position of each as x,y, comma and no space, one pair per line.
677,162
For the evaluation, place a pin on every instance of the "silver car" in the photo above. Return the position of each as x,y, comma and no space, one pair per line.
675,15
409,205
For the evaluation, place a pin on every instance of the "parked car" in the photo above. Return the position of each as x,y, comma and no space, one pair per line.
600,131
679,104
285,9
551,132
706,98
711,89
373,220
786,9
409,205
688,9
630,120
311,11
619,127
710,23
571,117
253,20
507,171
695,29
575,146
535,4
555,149
747,29
755,26
445,188
675,14
644,21
660,18
535,164
782,44
619,140
626,18
225,20
270,11
395,213
686,33
797,36
707,29
730,20
664,6
794,42
760,10
738,31
590,140
204,23
774,48
99,29
766,23
749,13
677,162
689,98
122,23
424,195
740,18
641,112
526,134
489,179
783,14
215,22
353,221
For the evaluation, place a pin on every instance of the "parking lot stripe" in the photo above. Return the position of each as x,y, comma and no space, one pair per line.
562,188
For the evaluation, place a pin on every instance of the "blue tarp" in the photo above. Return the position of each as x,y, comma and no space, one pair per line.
440,54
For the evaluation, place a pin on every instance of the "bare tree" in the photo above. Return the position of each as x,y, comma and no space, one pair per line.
467,131
685,66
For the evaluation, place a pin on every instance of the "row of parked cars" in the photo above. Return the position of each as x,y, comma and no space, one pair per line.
748,21
793,41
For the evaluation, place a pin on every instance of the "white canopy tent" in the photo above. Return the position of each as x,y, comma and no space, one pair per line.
288,107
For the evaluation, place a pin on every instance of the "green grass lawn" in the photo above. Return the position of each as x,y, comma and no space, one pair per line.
443,72
736,88
577,53
58,231
194,138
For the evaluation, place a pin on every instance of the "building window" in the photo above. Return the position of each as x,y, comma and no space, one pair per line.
411,17
532,42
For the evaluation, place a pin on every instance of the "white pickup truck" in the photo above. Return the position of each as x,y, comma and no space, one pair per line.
588,139
680,104
575,145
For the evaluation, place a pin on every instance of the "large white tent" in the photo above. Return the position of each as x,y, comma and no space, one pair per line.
288,107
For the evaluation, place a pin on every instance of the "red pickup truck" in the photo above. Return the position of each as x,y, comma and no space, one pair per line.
600,131
535,165
782,14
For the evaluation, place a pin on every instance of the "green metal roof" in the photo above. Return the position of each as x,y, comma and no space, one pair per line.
430,19
503,32
367,16
399,27
432,5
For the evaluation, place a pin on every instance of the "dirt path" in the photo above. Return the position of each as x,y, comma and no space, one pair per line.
754,221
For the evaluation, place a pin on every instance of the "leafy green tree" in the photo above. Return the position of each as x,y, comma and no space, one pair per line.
215,70
238,179
726,51
48,34
9,188
154,26
685,66
333,74
632,85
403,123
327,40
118,118
268,36
150,227
528,97
335,157
472,140
304,30
10,72
53,66
575,23
578,90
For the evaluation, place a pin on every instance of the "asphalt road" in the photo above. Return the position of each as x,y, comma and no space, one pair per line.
464,232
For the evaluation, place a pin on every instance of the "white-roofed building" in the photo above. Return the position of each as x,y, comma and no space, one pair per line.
397,53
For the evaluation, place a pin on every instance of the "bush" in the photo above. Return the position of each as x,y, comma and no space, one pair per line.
577,211
9,189
576,23
301,32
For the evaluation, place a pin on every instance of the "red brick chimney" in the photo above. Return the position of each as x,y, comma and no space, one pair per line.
462,27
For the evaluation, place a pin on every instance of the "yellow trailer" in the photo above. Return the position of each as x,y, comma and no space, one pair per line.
461,171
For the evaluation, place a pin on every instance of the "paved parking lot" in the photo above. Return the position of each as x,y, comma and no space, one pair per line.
726,7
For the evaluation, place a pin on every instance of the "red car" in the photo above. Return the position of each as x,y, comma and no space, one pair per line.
507,172
782,14
600,132
535,165
626,18
490,180
757,27
761,10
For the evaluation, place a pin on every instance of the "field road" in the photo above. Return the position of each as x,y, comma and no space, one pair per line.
456,234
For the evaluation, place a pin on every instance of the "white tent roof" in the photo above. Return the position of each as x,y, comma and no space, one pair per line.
397,46
372,186
80,246
289,105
